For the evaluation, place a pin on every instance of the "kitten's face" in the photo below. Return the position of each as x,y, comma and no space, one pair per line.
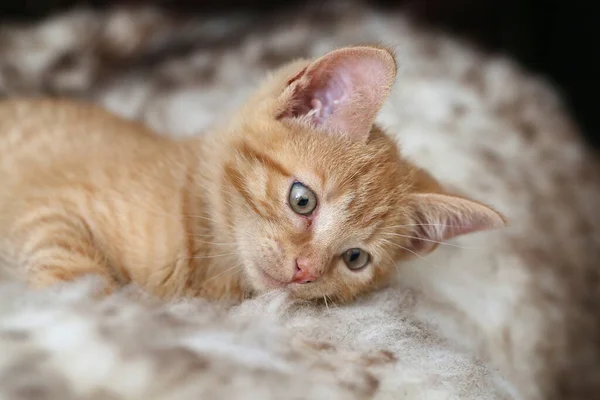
319,215
321,202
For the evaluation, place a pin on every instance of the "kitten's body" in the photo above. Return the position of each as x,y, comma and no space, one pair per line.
84,192
100,194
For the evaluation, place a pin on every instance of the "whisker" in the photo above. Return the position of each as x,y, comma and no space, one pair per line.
431,240
391,258
326,305
412,252
332,302
220,274
410,225
214,243
209,256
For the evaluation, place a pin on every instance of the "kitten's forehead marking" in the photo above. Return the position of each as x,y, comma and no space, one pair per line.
251,153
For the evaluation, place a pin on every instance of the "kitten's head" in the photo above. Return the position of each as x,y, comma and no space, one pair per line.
320,199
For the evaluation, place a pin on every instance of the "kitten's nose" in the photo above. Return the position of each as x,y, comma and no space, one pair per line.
303,274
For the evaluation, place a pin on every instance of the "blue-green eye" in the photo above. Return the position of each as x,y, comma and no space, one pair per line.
302,200
356,259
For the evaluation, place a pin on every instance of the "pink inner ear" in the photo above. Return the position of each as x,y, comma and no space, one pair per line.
343,91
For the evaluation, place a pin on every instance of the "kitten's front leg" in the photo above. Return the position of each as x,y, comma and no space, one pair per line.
52,271
60,249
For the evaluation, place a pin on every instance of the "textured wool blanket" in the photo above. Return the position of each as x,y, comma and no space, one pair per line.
496,315
62,345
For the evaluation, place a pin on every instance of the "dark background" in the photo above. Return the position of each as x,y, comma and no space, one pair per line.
554,38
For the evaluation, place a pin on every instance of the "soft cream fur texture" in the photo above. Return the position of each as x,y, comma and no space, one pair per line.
524,299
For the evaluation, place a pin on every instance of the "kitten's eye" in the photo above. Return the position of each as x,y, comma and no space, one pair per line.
302,200
356,259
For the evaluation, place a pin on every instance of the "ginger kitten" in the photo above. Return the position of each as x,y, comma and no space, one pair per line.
299,190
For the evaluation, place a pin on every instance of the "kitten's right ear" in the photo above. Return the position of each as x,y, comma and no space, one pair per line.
341,92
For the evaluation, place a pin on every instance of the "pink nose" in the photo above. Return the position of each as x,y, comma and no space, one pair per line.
303,274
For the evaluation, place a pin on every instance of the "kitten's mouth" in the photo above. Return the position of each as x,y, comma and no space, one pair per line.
270,281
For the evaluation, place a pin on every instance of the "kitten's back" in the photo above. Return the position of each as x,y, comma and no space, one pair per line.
48,142
43,129
63,162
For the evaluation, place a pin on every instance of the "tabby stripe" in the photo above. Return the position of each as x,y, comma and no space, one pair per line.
236,180
250,153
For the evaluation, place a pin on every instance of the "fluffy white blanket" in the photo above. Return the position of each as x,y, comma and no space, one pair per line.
514,298
62,345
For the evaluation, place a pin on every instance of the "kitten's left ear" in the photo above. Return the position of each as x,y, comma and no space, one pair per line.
439,217
342,91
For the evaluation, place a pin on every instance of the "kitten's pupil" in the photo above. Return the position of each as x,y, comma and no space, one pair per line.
303,202
355,255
